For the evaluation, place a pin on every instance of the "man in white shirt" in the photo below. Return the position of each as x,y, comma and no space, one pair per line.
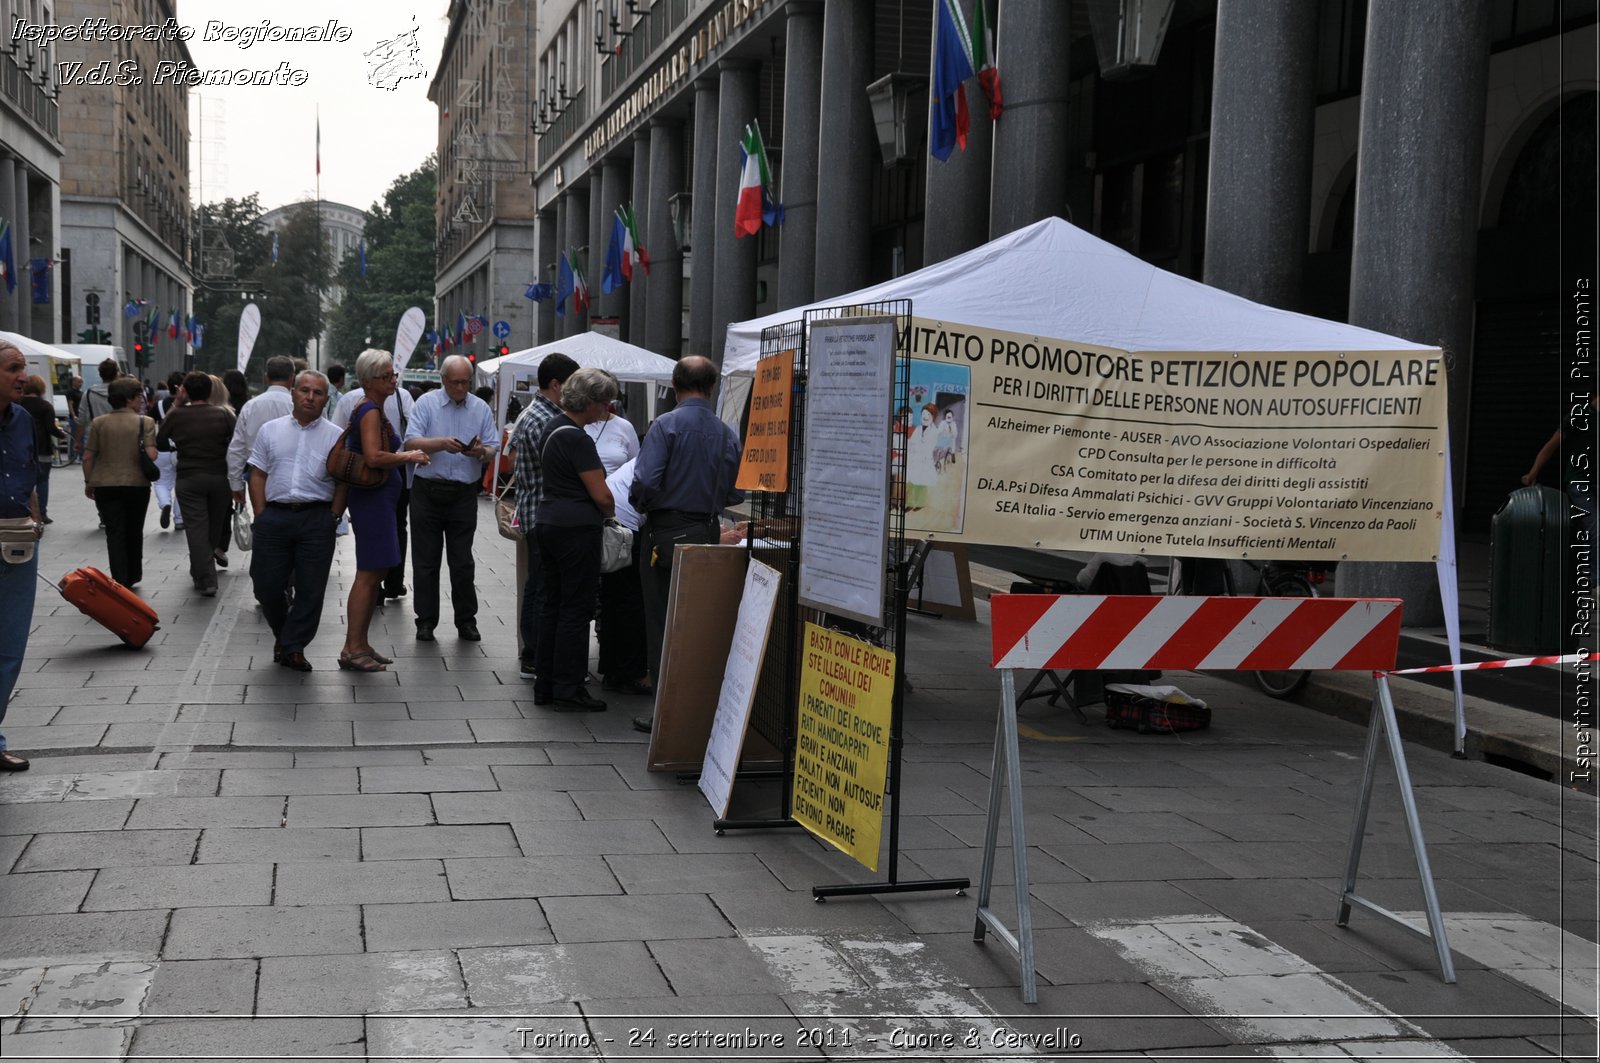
296,505
456,429
271,404
397,408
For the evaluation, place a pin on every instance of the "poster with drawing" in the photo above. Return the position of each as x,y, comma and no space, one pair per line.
933,432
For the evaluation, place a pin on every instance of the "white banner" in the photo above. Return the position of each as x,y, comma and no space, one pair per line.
249,328
406,335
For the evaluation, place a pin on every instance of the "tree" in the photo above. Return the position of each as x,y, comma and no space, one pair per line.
233,247
291,290
399,239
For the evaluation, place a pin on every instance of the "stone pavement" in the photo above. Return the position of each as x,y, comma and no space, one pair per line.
216,858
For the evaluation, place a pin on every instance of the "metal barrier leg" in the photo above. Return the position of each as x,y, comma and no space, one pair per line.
1007,760
1383,714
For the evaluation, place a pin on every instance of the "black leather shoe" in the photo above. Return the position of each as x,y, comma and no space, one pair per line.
469,631
542,699
394,592
582,701
295,660
424,632
643,723
277,653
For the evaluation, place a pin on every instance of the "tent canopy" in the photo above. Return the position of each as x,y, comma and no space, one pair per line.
1052,279
34,349
590,350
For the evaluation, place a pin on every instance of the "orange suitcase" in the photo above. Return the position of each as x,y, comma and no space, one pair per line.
118,609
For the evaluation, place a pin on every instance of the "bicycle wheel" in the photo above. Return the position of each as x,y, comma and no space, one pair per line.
1284,585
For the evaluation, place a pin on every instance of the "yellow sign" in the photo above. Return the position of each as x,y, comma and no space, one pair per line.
1289,455
765,465
846,693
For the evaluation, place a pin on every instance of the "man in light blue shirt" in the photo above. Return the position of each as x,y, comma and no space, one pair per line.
456,429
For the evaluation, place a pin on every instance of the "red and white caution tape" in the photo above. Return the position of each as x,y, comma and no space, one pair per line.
1519,662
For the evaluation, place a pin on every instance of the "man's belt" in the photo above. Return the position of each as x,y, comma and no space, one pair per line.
439,481
301,507
680,516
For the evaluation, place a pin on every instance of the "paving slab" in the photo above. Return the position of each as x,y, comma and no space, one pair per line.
167,812
502,806
432,779
658,917
277,845
93,849
541,876
273,930
360,810
192,988
585,838
40,892
82,937
699,873
414,843
532,975
190,886
263,1037
454,924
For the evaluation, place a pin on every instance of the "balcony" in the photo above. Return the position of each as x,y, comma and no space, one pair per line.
660,21
27,96
566,124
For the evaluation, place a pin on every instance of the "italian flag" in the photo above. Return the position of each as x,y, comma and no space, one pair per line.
580,287
983,60
632,248
753,180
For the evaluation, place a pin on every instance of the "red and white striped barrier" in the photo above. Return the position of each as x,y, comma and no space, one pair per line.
1518,662
1136,632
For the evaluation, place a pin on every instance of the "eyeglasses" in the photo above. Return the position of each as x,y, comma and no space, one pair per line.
385,376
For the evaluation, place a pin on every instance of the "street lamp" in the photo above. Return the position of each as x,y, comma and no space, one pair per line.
678,205
900,111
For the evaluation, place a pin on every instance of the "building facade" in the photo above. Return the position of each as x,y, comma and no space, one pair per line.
30,170
1411,168
125,210
343,227
484,249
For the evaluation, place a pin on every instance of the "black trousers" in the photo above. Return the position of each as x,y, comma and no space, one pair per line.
622,638
207,503
291,555
571,560
655,580
122,511
444,519
532,596
394,580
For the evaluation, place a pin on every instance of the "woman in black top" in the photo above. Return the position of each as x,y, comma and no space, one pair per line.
47,435
573,505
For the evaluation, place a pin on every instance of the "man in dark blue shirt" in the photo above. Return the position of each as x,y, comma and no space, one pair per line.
19,473
682,481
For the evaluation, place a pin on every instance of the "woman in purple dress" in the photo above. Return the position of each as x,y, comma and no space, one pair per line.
372,510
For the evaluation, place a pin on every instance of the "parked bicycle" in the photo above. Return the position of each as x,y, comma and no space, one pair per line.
1274,579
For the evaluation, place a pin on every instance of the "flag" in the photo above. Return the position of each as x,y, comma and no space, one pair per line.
274,249
8,268
580,289
538,292
611,277
362,247
756,202
188,329
983,59
39,279
130,310
172,325
564,284
199,335
152,325
633,246
952,66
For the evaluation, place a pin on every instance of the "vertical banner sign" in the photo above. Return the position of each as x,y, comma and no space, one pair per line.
842,758
756,606
406,334
249,329
844,514
765,464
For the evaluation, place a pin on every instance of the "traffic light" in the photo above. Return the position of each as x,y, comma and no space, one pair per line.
142,356
502,350
472,356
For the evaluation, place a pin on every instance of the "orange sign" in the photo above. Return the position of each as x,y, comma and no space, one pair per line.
765,465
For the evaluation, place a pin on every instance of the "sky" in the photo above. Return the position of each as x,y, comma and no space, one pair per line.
376,124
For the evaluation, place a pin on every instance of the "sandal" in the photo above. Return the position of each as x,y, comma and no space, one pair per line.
360,662
380,658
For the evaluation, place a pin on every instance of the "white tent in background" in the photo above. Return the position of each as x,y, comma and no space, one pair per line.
624,361
1054,280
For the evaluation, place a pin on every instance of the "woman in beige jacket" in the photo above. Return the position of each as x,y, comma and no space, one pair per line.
111,476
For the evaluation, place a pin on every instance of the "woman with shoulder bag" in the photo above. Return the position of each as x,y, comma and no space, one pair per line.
114,477
620,622
47,437
372,510
573,507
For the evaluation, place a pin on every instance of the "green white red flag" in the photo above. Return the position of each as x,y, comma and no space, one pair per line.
983,60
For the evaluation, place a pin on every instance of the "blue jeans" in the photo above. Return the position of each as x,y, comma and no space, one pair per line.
17,586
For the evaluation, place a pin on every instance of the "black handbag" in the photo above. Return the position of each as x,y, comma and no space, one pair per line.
147,464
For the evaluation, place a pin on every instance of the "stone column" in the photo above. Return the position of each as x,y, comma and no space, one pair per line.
1258,212
8,196
1424,87
21,251
702,264
847,152
594,262
577,234
663,319
956,218
802,118
1030,142
615,178
544,273
637,198
734,297
559,324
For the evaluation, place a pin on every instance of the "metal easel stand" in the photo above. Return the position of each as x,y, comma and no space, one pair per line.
1383,717
1008,767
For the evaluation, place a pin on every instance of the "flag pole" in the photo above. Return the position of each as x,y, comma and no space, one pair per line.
322,266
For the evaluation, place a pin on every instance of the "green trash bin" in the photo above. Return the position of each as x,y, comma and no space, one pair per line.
1526,544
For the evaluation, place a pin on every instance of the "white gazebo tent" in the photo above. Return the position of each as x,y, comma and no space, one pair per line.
624,361
1053,279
